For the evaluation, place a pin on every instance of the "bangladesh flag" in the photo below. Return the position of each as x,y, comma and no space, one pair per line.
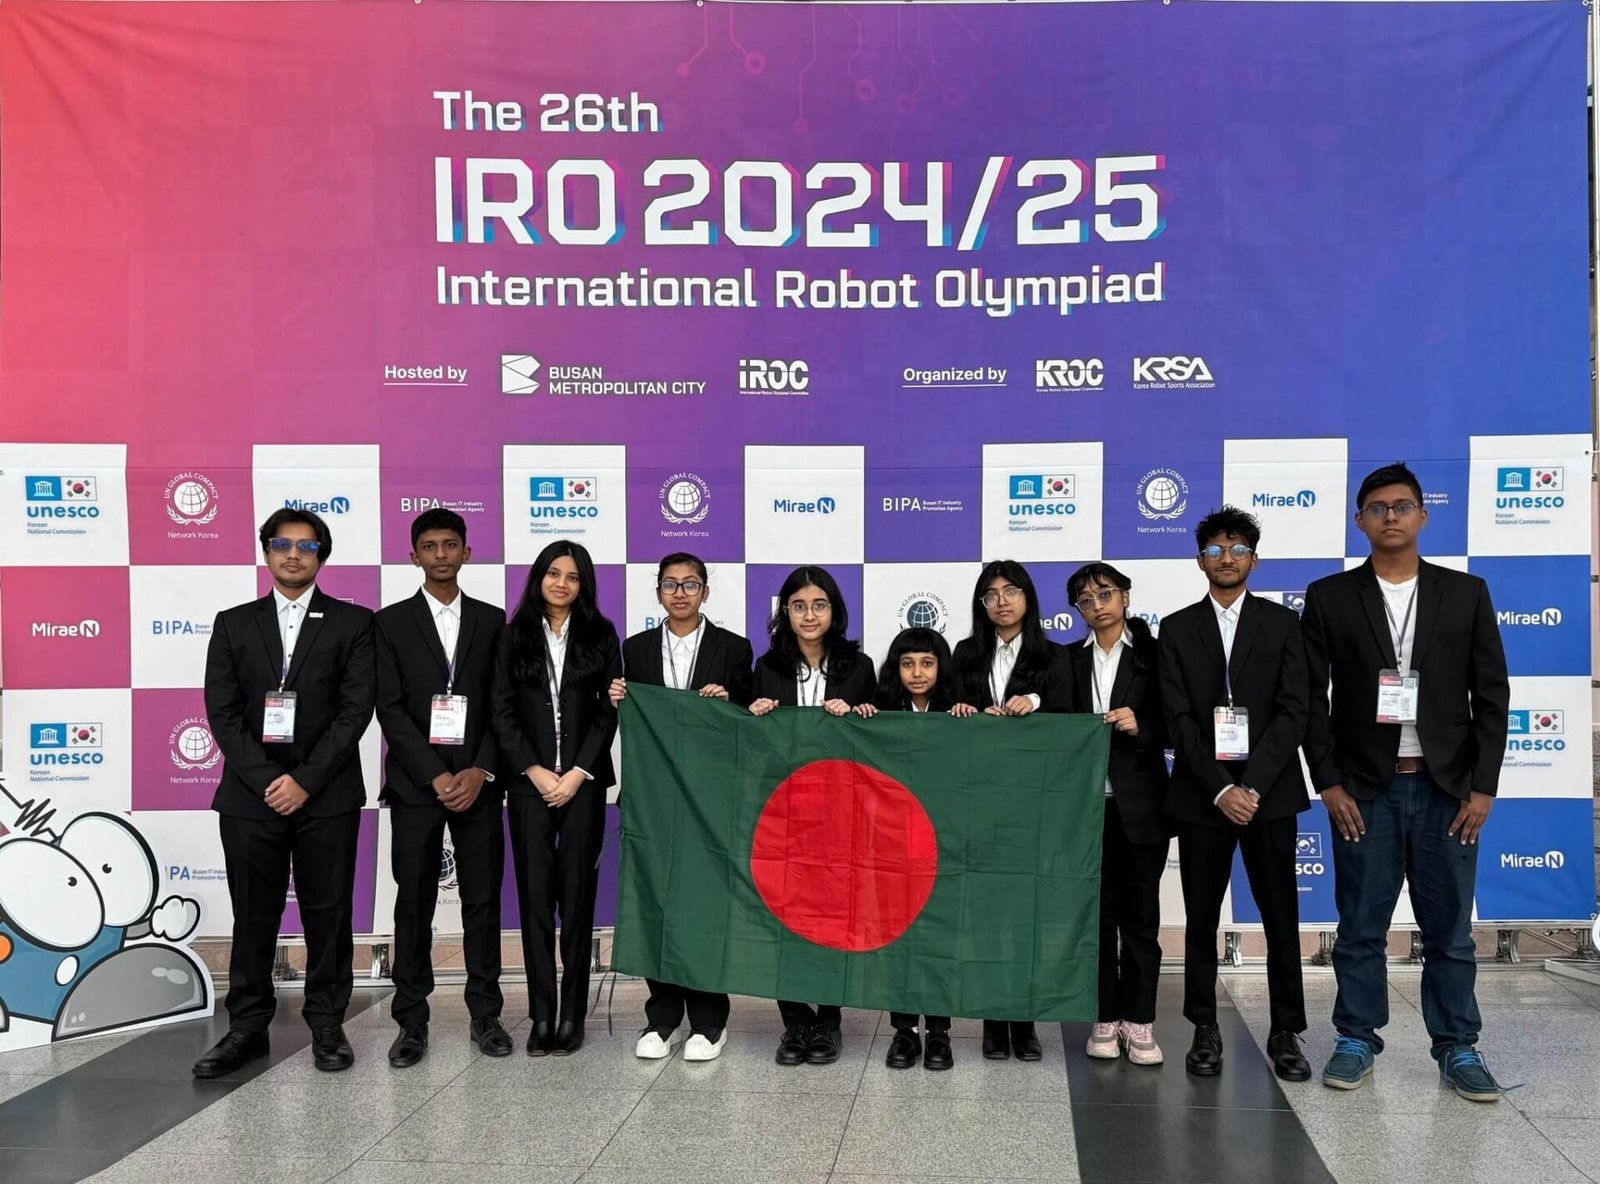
916,862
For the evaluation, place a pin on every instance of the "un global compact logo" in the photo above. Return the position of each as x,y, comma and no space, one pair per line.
685,499
190,744
1163,494
924,610
191,499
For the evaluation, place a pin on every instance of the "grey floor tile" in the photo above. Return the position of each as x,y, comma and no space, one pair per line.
857,1178
603,1063
972,1076
1194,1146
701,1176
144,1168
37,1166
746,1066
472,1123
1576,1138
1476,1143
63,1055
12,1084
450,1055
960,1137
689,1133
388,1171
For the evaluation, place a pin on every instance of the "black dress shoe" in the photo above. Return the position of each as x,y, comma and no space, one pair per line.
937,1054
904,1049
996,1040
1204,1058
1288,1062
491,1037
568,1038
792,1048
233,1050
330,1051
824,1045
409,1047
1025,1042
539,1038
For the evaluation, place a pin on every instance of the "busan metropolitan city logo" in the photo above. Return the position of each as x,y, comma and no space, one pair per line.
191,499
1163,494
191,745
923,610
519,374
685,499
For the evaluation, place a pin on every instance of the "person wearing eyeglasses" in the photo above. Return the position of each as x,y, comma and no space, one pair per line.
1008,667
290,684
1114,675
686,652
1233,686
1406,756
811,662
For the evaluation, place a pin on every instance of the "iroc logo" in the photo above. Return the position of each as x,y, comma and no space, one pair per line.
563,497
774,376
333,505
1535,730
821,505
50,496
923,610
1530,488
1039,494
64,744
190,744
1303,500
1308,857
1547,618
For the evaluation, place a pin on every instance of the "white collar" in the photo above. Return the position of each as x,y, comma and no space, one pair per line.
281,602
1009,646
559,638
1123,640
440,606
672,639
1234,608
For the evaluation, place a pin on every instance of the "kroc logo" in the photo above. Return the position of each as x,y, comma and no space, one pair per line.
1308,857
1303,500
1550,861
1068,374
563,497
823,505
1550,617
87,627
334,505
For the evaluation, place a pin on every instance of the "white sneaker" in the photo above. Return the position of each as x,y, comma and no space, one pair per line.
653,1046
1140,1042
1103,1042
701,1049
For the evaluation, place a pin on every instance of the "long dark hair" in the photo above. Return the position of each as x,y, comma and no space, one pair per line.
892,695
1103,573
1036,653
587,626
783,652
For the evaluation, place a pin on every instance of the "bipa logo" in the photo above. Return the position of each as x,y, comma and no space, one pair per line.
88,627
1308,856
1535,731
770,376
1550,861
1549,618
1303,500
1068,374
1169,370
333,505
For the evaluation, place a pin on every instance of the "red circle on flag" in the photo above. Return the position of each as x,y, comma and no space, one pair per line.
844,855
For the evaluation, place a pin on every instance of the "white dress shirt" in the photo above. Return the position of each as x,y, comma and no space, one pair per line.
811,685
447,622
1228,623
1400,602
1000,668
291,619
555,645
1104,676
678,655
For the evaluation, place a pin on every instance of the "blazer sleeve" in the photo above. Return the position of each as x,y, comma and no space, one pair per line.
741,684
358,691
225,712
1192,741
603,727
406,741
1325,772
515,742
1490,694
1280,743
1147,714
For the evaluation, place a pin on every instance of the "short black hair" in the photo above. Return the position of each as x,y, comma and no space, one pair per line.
679,559
437,518
1228,520
1395,474
279,518
1095,573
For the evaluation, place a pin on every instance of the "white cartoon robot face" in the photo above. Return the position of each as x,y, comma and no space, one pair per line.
120,863
47,896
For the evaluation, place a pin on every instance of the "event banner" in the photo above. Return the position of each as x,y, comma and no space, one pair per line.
892,288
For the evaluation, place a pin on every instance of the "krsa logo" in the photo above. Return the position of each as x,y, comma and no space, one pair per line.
1174,368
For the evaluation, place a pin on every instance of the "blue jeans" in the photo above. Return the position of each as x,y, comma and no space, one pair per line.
1407,837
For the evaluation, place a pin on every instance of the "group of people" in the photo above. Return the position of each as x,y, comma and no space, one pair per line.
1392,684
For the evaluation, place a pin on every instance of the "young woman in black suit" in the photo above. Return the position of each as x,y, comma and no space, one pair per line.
555,722
1009,667
1114,674
811,663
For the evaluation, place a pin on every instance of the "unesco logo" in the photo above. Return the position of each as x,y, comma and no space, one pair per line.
56,744
191,499
1530,488
190,745
1163,494
685,499
563,497
1308,856
1535,730
61,497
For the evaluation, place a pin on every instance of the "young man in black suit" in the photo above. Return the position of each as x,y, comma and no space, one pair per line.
1407,759
687,653
1233,686
289,691
435,669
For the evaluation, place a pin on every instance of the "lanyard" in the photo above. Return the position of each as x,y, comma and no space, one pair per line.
667,638
1227,654
816,678
1405,623
555,685
997,688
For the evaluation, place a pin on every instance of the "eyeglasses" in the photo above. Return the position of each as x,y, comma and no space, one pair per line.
1378,511
1238,551
1102,596
816,608
304,546
687,587
994,596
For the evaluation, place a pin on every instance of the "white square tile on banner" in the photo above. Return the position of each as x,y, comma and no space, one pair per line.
337,482
64,505
1295,488
188,850
1529,495
1042,502
172,610
724,606
566,491
481,581
72,748
897,595
804,503
1548,748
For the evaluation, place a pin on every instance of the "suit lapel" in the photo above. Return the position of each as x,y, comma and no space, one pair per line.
310,630
1244,634
1211,633
1430,595
469,625
704,657
1119,685
1083,673
1372,605
422,610
267,623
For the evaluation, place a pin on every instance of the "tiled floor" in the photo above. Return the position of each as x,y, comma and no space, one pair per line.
607,1118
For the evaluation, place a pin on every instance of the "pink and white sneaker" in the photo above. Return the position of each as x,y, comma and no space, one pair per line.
1103,1042
1139,1041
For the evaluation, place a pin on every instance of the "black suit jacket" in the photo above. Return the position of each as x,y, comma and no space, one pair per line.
1461,712
1053,685
1138,764
332,676
723,658
411,670
856,684
1268,669
525,726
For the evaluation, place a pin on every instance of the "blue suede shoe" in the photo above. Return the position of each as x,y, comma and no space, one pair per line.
1464,1071
1350,1065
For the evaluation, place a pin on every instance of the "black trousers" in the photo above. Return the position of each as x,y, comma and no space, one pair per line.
416,849
259,853
664,1010
1130,909
1206,860
908,1019
556,855
802,1013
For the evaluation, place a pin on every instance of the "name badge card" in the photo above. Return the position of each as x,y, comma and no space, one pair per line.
277,726
1397,697
447,721
1233,733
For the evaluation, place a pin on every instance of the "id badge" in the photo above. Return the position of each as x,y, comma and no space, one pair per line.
1233,733
447,721
1397,697
277,725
